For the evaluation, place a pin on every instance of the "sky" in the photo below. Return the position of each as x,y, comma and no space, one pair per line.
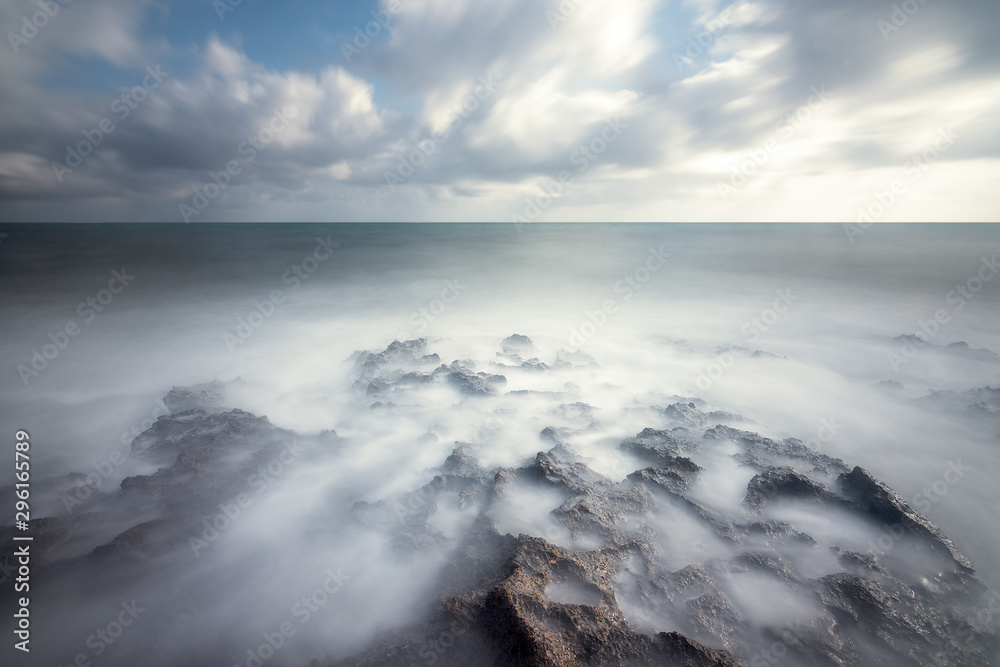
518,111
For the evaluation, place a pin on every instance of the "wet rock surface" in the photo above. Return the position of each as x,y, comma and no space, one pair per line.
697,543
597,598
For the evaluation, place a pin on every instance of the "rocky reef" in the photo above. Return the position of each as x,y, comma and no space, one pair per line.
906,597
703,543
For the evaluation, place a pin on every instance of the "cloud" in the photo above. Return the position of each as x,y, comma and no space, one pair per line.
701,86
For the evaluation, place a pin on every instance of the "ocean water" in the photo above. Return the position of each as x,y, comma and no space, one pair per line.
874,346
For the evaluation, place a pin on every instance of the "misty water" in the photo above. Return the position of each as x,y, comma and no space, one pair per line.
789,332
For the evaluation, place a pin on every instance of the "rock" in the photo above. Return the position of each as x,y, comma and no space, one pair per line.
532,364
473,384
514,620
764,453
783,483
207,397
574,359
653,567
368,365
888,508
516,347
662,449
555,434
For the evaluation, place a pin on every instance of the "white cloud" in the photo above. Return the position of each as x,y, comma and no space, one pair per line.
602,61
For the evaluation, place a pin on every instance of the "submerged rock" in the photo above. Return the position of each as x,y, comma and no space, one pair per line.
645,550
524,600
473,384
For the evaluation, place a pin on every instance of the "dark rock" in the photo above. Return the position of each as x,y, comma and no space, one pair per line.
207,397
888,508
774,533
783,483
652,445
473,384
398,355
669,478
764,453
511,621
661,449
685,413
556,435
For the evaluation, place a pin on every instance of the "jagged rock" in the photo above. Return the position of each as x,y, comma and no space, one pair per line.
818,641
712,615
473,384
518,343
532,364
764,453
206,458
518,619
689,414
555,434
669,478
783,483
516,347
774,533
574,359
656,549
207,397
414,379
886,506
561,466
369,365
144,542
653,445
662,448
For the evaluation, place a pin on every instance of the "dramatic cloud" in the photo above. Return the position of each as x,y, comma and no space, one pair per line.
451,109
